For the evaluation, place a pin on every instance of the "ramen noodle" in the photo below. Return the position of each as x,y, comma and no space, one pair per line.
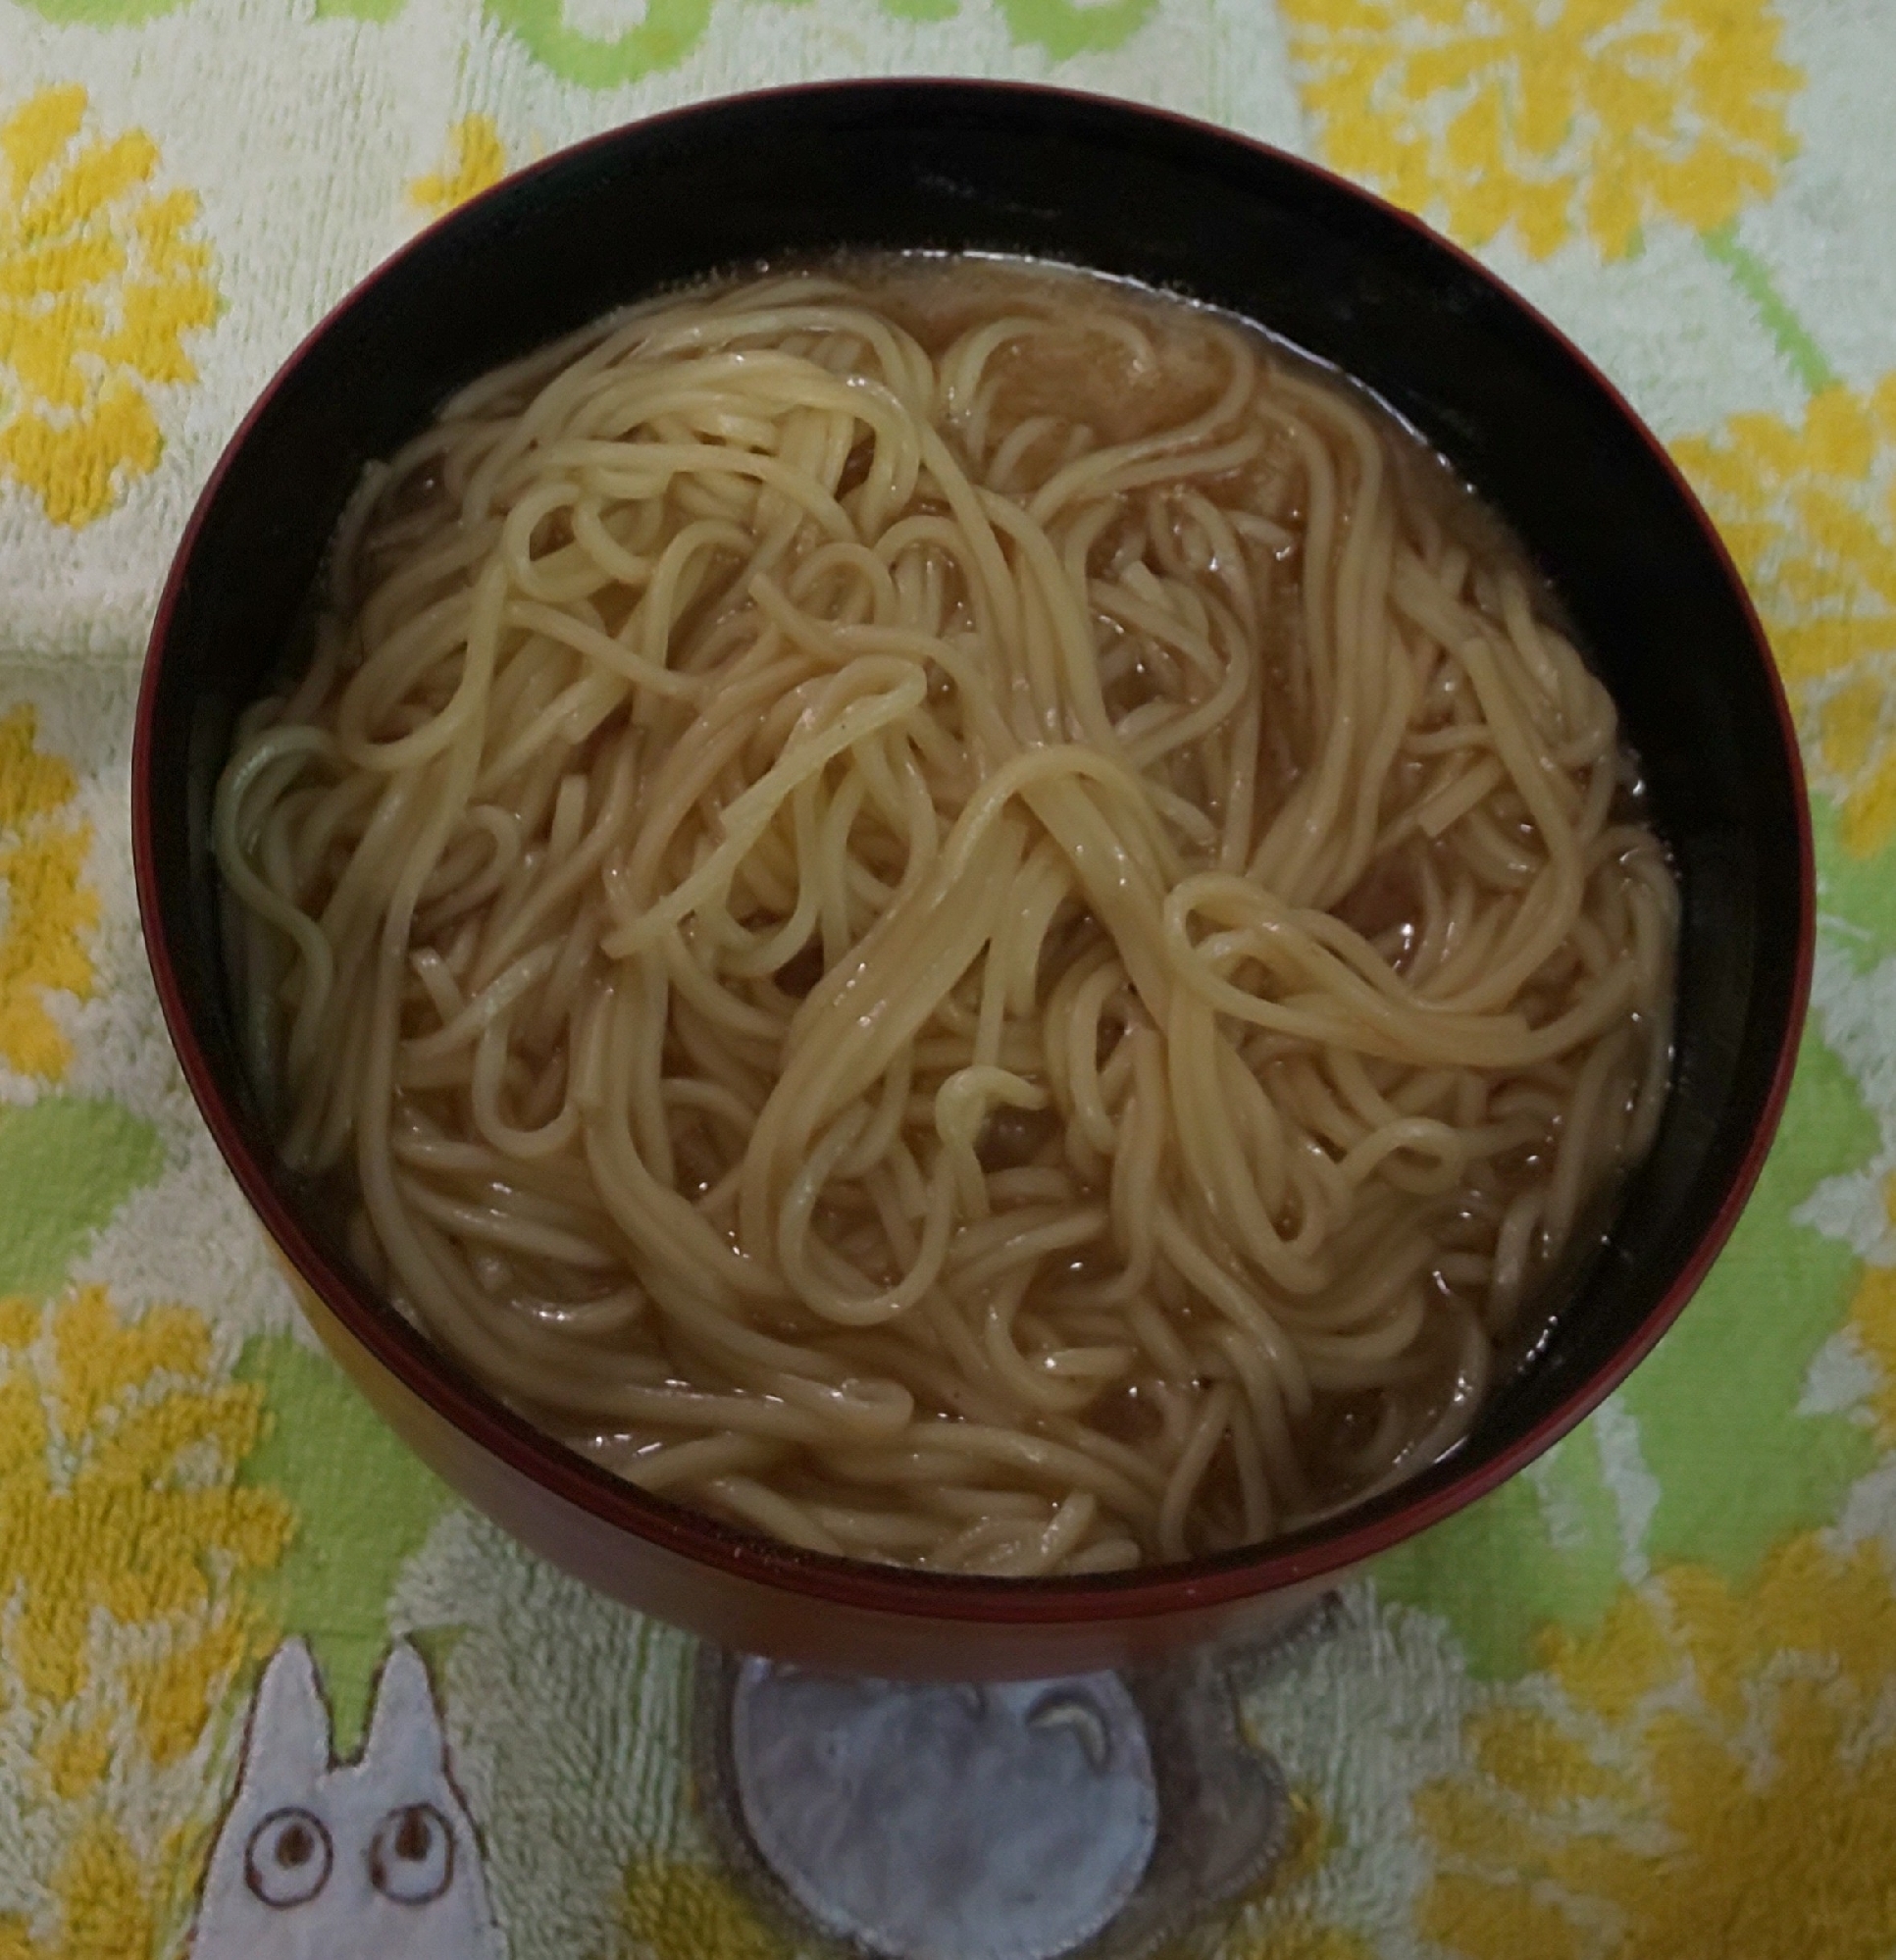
960,914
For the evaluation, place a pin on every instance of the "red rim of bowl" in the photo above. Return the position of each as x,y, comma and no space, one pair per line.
1144,1592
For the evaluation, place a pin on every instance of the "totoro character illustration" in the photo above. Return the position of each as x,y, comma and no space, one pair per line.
320,1860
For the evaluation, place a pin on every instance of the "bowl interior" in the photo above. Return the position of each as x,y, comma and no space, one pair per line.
1018,171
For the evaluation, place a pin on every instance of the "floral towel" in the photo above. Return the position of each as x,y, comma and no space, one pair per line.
1639,1705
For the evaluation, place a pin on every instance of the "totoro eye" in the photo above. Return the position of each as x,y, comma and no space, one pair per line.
289,1857
412,1857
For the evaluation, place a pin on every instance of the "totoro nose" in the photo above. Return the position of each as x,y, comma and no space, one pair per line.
1076,1711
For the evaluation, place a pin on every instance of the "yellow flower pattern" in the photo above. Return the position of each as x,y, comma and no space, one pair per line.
100,281
679,1911
1304,1939
46,906
125,1539
1283,1921
1637,1801
1809,511
106,1905
477,162
1872,1316
1550,118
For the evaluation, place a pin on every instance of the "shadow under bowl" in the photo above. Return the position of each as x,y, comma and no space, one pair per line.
1517,411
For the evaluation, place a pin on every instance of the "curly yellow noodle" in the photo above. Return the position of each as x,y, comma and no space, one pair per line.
961,915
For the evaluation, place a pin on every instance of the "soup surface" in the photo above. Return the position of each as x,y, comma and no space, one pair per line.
963,913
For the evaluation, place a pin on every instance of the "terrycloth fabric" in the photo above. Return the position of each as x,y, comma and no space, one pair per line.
1640,1705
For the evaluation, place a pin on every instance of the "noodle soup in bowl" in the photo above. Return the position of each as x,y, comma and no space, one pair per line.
1120,906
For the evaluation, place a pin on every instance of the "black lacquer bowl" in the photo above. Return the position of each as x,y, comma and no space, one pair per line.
1514,406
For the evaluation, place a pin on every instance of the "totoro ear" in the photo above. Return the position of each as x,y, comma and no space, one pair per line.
288,1739
405,1729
